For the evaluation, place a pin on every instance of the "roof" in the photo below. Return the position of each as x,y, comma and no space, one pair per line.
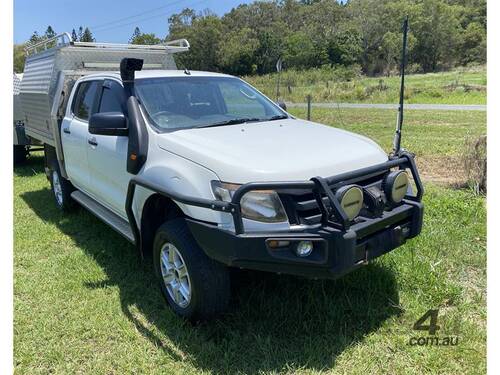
160,74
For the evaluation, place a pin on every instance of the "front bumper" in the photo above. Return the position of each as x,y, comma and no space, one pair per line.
335,253
339,244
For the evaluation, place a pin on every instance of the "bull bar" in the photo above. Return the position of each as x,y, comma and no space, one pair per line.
318,185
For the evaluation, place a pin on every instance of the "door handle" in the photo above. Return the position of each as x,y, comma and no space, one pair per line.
92,142
66,130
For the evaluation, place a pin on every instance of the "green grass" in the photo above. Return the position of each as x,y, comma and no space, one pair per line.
84,303
426,133
461,86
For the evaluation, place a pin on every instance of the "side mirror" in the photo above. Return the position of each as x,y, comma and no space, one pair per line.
281,104
108,123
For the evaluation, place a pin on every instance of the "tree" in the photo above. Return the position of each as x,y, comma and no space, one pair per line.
49,33
139,38
237,54
87,36
301,52
74,37
19,58
310,33
473,44
35,38
135,35
204,34
438,29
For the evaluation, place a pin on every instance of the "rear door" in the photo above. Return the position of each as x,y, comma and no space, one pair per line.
107,154
74,132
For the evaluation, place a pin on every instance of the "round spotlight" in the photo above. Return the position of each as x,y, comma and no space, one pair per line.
304,248
351,200
396,185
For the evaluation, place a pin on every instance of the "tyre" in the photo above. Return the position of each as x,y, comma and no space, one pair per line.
20,153
195,286
61,189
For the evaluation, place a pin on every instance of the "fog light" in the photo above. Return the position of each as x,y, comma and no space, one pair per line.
351,200
396,185
304,248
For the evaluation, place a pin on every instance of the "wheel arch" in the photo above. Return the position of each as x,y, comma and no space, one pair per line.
157,209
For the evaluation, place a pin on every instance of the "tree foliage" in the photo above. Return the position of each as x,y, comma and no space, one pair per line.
314,33
141,38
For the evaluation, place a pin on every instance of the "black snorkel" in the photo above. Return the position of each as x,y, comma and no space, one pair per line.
137,132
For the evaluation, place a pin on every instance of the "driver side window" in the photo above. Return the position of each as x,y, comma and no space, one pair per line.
112,98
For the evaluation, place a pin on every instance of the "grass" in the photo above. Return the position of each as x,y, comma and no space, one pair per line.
437,137
84,303
426,133
461,86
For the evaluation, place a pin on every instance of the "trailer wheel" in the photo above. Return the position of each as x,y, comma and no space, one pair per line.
61,189
20,153
195,286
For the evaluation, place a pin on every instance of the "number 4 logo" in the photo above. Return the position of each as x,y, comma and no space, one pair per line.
432,327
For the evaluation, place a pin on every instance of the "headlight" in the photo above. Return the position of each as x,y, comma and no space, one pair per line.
351,200
396,185
262,206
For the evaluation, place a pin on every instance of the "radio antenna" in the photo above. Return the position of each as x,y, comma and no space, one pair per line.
397,137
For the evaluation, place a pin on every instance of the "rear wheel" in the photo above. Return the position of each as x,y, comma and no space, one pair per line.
20,153
195,286
61,189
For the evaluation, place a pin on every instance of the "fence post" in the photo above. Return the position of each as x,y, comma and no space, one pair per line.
309,98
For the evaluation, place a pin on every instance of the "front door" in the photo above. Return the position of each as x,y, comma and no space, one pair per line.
107,155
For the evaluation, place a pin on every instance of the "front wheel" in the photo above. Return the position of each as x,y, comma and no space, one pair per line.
195,286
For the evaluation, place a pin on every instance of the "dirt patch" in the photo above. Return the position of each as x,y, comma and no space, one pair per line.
444,170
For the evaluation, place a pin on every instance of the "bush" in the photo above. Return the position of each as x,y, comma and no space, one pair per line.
475,161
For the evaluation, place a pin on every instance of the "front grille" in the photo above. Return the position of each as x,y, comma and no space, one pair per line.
302,208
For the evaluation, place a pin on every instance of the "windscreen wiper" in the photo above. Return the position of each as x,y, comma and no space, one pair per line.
233,121
277,117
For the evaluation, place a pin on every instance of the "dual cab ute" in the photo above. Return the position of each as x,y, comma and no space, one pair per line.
203,172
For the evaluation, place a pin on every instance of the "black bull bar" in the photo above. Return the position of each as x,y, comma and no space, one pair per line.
319,186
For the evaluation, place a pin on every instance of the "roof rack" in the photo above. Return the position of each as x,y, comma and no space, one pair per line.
64,40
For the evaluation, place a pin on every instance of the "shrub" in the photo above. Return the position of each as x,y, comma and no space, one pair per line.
475,161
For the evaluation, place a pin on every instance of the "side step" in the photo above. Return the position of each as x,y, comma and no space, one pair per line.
109,217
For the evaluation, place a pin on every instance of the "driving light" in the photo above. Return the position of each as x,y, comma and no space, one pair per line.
351,200
264,206
304,248
396,185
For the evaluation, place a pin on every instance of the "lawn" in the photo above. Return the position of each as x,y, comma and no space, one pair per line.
460,86
437,138
84,303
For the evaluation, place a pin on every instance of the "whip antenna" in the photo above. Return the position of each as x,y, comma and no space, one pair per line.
397,137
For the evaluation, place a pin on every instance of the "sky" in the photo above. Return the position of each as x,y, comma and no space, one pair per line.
110,21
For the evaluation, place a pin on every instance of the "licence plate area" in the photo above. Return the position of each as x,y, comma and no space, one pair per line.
382,242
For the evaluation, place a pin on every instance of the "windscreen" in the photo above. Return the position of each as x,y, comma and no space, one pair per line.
188,102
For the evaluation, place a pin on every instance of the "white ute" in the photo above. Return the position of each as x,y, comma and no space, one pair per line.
203,172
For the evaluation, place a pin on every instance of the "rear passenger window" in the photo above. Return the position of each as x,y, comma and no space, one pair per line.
111,99
84,100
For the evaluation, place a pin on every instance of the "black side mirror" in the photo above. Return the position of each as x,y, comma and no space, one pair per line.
108,123
281,104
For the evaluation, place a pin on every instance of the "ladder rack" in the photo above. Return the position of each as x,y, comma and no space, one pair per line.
65,40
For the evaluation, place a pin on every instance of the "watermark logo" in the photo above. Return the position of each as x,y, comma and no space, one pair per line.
429,323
